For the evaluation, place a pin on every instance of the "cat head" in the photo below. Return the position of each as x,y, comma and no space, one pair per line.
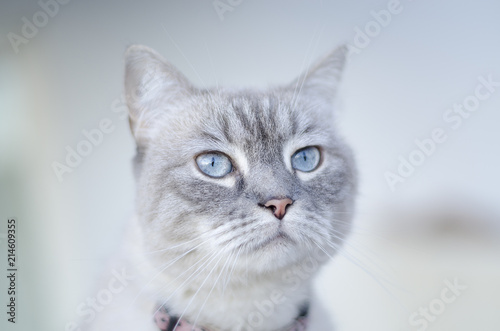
260,174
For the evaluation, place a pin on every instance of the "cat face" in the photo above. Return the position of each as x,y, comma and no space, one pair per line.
260,174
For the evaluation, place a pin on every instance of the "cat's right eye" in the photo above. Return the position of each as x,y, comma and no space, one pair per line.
214,164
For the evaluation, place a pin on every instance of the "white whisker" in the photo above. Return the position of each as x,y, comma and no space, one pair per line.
210,292
199,288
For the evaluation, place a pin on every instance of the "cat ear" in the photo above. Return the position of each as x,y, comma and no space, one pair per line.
320,82
152,86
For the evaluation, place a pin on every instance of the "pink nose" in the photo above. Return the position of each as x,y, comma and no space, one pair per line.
278,206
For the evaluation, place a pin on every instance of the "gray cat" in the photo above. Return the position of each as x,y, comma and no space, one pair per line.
241,196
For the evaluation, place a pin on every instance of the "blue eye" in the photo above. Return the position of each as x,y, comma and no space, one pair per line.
214,164
306,159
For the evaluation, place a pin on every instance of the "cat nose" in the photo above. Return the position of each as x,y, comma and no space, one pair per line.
278,206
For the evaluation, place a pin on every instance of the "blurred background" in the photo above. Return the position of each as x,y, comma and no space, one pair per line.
419,104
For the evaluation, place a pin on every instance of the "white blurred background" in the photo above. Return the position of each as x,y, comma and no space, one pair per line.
439,223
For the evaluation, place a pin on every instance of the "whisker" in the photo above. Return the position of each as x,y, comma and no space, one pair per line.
198,290
232,269
203,259
364,231
213,68
195,273
163,268
295,93
210,292
369,254
309,68
354,261
227,270
343,251
168,248
183,55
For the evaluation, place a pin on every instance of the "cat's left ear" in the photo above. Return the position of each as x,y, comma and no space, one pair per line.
321,81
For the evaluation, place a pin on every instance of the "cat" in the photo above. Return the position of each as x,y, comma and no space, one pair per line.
241,196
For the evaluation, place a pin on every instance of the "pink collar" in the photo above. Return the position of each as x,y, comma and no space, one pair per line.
167,322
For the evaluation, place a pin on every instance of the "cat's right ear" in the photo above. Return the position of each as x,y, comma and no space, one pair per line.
153,87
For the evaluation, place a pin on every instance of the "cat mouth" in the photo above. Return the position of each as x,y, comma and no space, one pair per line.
279,238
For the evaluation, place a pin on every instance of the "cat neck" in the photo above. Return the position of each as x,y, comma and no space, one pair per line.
166,321
268,301
221,302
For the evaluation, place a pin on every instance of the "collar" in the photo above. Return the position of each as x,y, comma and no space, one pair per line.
165,321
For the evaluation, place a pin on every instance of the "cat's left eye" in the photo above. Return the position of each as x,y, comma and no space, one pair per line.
214,164
306,159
